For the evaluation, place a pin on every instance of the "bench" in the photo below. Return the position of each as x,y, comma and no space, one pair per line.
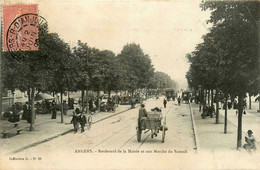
11,129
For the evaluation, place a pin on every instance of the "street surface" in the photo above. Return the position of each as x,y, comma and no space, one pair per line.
119,133
112,142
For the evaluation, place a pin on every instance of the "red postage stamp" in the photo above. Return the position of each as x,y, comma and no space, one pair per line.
20,28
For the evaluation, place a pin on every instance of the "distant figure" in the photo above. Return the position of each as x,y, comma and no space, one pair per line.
48,106
250,141
90,105
82,120
191,99
132,103
65,107
164,103
97,103
235,104
71,103
229,104
179,100
53,110
25,111
75,119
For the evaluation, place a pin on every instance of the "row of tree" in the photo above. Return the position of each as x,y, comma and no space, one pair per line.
56,68
228,60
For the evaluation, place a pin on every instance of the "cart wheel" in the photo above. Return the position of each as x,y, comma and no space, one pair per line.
138,134
89,123
163,134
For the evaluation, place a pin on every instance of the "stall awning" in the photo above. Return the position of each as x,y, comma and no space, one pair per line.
43,96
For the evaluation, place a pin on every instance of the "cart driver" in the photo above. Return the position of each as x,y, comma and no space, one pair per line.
142,113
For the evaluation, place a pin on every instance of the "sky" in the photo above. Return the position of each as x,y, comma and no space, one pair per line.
166,30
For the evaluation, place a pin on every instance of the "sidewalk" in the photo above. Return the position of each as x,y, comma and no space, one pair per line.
46,129
250,121
210,136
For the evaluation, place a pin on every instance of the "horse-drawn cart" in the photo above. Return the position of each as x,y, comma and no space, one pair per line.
155,122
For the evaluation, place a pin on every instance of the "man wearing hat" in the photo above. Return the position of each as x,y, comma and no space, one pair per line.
250,141
142,113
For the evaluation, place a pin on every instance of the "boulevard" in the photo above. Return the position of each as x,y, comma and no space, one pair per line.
119,133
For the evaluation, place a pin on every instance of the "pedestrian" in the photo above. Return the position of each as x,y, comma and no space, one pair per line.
179,100
235,104
71,103
90,105
96,103
25,111
164,103
229,104
65,107
48,106
53,109
29,116
75,119
132,103
82,121
250,141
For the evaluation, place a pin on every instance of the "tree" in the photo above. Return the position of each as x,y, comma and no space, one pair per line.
45,70
83,52
240,48
136,67
64,67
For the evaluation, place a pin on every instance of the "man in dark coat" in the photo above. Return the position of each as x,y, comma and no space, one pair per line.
82,121
25,111
90,105
179,100
53,109
65,107
75,119
142,113
164,103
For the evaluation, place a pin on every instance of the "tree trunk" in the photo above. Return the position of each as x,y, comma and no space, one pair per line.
98,98
200,93
217,107
239,128
32,128
29,97
203,101
250,106
212,103
208,97
225,126
61,96
109,93
68,97
87,98
116,98
82,100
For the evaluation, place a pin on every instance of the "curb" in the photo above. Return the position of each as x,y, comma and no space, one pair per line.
194,129
61,134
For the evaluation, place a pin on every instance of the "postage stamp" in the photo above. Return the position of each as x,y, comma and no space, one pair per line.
20,29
